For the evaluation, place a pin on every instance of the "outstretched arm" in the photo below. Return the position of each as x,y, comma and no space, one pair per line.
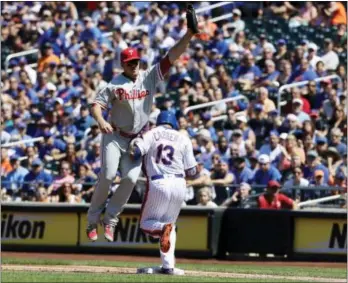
192,29
180,47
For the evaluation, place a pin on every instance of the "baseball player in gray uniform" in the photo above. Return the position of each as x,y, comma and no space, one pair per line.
128,97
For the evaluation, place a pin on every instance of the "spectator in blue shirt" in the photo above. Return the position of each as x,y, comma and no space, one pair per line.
85,121
241,172
90,32
266,172
14,179
247,72
336,136
314,163
303,73
36,176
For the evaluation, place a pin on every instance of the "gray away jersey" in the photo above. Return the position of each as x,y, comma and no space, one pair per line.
130,102
167,151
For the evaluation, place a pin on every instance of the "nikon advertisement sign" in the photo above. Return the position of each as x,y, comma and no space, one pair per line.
321,236
192,234
30,228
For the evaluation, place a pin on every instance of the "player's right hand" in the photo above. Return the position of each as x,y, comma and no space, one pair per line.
105,127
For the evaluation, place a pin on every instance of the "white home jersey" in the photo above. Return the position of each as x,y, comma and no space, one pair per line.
167,151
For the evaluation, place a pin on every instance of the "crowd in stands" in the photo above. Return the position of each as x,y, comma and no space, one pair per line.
301,144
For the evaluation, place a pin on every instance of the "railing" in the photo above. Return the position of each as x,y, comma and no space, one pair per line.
321,200
287,86
18,54
212,103
21,142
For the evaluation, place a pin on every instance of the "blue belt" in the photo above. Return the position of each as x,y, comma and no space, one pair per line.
157,177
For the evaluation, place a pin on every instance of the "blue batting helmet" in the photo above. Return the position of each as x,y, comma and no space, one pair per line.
167,117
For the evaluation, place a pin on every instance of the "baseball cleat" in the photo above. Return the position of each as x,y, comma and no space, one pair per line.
168,271
92,233
165,238
109,231
145,270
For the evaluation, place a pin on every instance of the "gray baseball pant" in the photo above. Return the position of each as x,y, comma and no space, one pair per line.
114,153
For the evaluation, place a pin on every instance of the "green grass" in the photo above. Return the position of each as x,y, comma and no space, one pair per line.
25,276
249,269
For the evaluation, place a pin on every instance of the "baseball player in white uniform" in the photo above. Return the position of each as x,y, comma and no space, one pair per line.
128,97
168,158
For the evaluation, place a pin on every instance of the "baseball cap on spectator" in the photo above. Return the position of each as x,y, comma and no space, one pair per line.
281,42
244,185
333,151
199,160
237,132
263,159
242,118
273,112
206,116
283,136
21,125
184,98
291,117
236,12
321,140
318,173
312,153
204,134
14,157
327,40
87,19
129,54
47,45
258,107
13,63
262,36
174,6
304,42
297,100
59,100
47,13
273,184
23,60
239,159
340,176
36,162
51,86
312,46
314,114
198,46
215,50
274,133
186,79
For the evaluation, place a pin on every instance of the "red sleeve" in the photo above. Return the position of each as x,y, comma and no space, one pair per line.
165,65
286,202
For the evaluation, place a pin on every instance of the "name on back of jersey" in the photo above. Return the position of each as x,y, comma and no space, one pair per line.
167,135
122,94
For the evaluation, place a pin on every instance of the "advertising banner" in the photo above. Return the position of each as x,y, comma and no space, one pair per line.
192,234
320,236
39,228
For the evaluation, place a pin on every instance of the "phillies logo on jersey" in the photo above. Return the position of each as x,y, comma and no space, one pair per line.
122,94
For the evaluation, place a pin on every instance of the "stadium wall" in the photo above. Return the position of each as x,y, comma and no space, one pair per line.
202,232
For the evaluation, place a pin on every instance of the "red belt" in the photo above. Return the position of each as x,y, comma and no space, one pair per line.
124,134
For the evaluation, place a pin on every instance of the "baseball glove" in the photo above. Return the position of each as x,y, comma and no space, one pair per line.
191,18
